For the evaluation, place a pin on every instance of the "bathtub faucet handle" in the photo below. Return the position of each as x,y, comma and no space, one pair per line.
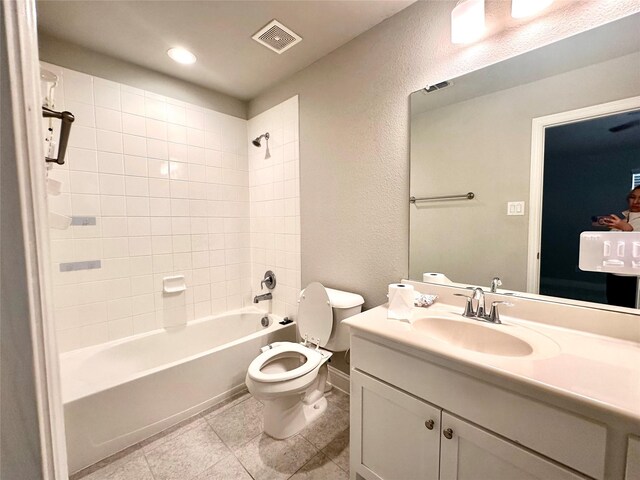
269,280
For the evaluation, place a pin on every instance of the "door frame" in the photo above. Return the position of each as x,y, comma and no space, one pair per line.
538,127
23,67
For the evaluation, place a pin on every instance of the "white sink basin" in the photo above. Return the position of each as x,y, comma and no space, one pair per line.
503,340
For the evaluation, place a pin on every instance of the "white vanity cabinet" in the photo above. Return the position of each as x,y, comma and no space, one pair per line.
495,433
396,436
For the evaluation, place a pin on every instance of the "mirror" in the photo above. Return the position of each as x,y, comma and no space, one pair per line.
479,135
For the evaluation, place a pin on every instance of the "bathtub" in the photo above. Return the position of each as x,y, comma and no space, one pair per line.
118,393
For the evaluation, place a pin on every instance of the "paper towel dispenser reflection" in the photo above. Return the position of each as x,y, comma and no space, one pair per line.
610,252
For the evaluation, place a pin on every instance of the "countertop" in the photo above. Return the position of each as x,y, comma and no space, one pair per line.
601,371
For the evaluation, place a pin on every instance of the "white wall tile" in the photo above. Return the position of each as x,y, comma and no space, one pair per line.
83,137
112,205
84,182
107,119
85,204
77,86
157,149
176,133
139,246
176,114
133,103
106,94
158,168
110,163
137,206
82,159
160,225
108,141
154,108
137,186
114,226
169,185
134,145
111,184
156,129
133,124
177,152
83,112
159,187
139,226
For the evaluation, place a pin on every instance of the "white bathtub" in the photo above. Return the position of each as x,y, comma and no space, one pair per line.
119,393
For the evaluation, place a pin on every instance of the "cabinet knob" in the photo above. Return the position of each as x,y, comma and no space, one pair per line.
429,424
448,433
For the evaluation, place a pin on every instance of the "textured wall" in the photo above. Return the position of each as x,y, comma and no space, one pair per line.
354,129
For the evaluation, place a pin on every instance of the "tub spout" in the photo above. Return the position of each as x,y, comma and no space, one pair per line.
260,298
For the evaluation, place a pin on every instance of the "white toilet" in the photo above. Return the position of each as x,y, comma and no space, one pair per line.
289,378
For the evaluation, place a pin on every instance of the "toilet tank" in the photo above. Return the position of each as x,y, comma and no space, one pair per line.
343,305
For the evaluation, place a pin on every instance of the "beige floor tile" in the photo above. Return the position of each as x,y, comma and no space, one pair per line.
338,450
187,455
268,459
238,424
338,398
328,427
128,465
320,467
228,468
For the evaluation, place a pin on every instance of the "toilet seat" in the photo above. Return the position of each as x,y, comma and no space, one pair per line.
314,358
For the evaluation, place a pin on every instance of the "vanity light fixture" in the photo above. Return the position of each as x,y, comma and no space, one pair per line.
467,21
527,8
181,55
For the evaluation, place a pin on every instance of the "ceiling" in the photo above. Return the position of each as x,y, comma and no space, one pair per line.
218,32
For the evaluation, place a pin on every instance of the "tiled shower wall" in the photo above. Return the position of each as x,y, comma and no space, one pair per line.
275,203
168,186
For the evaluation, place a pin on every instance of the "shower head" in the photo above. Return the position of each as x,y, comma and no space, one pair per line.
256,142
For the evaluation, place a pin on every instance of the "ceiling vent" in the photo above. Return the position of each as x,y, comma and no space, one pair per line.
277,37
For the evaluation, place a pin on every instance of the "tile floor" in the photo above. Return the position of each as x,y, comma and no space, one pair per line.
226,442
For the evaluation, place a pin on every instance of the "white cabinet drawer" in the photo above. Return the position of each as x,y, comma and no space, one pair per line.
572,440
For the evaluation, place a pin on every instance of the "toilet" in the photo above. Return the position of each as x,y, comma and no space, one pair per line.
290,378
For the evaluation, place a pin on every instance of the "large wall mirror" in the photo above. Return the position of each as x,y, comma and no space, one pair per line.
533,193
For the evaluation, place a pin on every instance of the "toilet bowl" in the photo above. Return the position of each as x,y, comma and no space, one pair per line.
290,378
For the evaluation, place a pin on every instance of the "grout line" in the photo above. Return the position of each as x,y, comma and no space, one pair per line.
148,465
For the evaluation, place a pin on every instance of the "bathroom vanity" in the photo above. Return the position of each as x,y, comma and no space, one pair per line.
445,396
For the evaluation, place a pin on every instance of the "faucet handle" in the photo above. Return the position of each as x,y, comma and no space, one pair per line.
468,308
494,316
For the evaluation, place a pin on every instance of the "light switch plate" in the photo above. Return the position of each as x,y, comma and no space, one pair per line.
515,208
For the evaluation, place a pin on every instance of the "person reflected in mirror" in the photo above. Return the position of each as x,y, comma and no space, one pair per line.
621,289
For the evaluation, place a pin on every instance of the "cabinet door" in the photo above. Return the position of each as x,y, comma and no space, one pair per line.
473,453
394,435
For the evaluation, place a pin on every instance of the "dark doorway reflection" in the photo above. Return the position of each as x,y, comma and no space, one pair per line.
589,168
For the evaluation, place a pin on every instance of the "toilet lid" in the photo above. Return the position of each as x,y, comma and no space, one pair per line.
313,358
315,315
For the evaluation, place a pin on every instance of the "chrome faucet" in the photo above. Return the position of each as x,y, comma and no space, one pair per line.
478,294
260,298
479,312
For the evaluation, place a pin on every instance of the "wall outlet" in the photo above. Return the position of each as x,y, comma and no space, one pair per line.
515,208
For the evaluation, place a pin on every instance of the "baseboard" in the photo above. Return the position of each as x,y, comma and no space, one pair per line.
339,379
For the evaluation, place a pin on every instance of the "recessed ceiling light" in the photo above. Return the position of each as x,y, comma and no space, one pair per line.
181,55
